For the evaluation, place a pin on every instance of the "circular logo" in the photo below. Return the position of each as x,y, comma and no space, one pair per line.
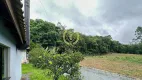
70,38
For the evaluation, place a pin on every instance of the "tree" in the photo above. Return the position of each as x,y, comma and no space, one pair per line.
138,34
58,64
45,33
49,35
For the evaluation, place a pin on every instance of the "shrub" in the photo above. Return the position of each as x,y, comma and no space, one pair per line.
34,55
59,64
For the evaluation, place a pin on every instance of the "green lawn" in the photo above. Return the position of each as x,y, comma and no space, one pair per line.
37,74
34,73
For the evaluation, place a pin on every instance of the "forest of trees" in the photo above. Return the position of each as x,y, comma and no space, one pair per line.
49,35
60,50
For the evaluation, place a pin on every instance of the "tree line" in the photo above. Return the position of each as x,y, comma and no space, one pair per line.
47,34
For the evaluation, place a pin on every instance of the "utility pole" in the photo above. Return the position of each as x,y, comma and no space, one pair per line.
27,20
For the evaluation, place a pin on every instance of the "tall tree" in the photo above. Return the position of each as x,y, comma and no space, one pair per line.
138,34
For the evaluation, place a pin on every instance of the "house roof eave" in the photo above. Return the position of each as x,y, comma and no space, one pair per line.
18,26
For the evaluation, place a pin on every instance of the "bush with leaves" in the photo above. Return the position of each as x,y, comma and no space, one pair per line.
59,64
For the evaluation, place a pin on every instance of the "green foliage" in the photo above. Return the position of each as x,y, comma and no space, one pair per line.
48,34
45,33
57,63
34,45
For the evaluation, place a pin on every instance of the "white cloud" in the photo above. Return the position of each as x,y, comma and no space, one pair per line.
119,18
87,7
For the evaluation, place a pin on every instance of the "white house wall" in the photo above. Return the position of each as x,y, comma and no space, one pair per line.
14,61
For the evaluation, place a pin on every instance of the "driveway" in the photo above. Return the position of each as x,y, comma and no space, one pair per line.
96,74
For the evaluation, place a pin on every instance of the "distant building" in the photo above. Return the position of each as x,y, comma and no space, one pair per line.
14,37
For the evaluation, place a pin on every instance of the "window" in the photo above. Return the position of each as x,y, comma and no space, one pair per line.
2,62
4,57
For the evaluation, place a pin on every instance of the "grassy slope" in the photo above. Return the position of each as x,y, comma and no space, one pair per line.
126,64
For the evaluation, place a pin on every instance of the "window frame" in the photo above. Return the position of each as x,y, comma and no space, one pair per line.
6,55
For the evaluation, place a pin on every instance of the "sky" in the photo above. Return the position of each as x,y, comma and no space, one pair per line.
118,18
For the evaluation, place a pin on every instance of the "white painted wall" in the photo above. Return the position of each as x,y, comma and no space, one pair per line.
14,54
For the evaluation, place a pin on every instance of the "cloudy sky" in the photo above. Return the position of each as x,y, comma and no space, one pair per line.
118,18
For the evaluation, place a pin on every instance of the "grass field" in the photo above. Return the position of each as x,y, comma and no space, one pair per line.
126,64
37,74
